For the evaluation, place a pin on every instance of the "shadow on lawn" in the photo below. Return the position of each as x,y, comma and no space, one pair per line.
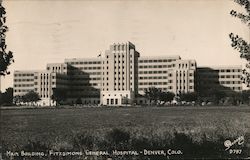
122,140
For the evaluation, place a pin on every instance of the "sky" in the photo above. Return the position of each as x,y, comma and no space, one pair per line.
47,31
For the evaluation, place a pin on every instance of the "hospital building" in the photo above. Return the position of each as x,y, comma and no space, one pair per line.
121,76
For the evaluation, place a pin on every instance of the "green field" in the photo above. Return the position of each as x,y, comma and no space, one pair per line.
80,128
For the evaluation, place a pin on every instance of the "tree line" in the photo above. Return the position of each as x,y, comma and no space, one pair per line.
7,98
154,95
212,96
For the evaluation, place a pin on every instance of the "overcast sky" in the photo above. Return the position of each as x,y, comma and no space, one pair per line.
47,31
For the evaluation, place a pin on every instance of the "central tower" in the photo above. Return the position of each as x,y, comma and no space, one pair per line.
119,74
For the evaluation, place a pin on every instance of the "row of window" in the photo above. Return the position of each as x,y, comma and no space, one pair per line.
55,68
89,68
23,85
206,71
23,75
221,76
23,80
181,74
156,60
112,101
219,82
43,83
230,70
22,90
119,56
119,47
86,62
185,65
144,89
184,87
226,89
84,73
159,77
152,72
45,96
117,89
119,67
230,82
44,77
43,89
121,62
157,66
153,83
182,81
84,79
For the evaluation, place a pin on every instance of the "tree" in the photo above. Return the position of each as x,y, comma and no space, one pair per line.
217,95
6,98
188,97
152,94
31,96
1,98
166,96
17,99
6,57
157,95
245,95
239,43
59,95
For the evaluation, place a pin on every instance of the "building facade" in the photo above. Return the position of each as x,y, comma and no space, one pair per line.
226,78
121,76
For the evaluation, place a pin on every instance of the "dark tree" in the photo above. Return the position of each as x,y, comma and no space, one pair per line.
17,99
6,57
245,95
188,97
166,96
31,96
152,94
1,98
6,98
239,43
217,95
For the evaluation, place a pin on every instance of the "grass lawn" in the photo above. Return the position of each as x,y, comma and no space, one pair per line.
55,126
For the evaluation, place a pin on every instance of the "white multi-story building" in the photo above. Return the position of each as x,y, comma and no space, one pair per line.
38,81
167,73
121,77
84,80
226,78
